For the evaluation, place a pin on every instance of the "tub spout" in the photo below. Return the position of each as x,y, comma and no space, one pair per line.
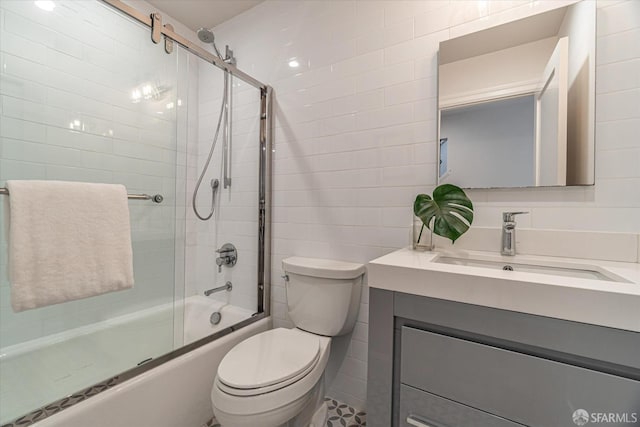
226,287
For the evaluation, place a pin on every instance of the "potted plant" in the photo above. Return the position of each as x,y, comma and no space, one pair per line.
449,213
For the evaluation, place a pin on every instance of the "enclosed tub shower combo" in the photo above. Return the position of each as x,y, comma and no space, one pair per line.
113,124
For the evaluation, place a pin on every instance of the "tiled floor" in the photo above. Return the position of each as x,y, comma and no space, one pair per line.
340,415
343,415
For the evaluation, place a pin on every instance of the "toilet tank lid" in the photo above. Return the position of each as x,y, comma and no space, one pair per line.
324,268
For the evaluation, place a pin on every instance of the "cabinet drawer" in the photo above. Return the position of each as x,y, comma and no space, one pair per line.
599,345
419,408
521,388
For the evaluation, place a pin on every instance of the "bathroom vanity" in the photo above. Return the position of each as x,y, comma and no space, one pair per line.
455,340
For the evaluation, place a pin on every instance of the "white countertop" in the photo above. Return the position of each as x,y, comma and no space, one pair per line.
598,302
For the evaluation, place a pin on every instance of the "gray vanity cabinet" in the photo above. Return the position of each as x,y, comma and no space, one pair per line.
436,363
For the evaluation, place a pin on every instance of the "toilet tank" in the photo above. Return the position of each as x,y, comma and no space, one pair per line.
323,296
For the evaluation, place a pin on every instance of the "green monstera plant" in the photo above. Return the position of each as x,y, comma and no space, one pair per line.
449,213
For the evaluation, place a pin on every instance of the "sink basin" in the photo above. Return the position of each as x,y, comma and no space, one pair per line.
577,271
591,291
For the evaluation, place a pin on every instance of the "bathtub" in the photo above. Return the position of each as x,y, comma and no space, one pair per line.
198,310
170,393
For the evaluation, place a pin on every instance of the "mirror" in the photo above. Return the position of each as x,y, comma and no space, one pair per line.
516,102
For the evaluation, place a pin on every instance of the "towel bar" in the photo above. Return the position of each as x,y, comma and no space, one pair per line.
156,198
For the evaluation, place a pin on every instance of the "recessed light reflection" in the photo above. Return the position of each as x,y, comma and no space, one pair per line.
147,92
47,5
294,63
76,125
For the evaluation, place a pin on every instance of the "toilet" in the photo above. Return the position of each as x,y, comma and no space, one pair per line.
276,378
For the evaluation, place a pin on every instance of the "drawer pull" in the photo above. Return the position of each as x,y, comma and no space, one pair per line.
417,422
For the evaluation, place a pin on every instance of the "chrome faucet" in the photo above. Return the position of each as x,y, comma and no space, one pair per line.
228,255
226,287
509,233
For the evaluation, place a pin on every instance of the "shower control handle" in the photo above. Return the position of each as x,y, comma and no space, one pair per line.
228,255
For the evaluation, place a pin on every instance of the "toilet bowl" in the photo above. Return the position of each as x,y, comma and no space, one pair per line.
276,378
282,380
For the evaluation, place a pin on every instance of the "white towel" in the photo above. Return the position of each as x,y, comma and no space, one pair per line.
67,241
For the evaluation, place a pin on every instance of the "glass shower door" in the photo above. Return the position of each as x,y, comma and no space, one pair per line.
86,97
235,165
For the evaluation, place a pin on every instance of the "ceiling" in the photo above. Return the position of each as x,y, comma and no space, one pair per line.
203,13
511,34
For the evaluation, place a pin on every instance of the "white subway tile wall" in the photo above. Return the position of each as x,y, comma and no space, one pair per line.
355,130
66,86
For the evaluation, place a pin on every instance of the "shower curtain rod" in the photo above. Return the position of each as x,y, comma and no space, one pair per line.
191,47
156,198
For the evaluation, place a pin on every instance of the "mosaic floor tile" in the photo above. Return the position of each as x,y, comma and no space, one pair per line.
343,415
339,415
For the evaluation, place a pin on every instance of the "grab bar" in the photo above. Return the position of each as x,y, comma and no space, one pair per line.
157,198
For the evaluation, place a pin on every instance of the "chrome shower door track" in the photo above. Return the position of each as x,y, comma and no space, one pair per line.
168,32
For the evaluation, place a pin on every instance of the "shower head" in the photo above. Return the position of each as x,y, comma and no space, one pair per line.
205,35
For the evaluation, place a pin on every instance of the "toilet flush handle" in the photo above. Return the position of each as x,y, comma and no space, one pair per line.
285,277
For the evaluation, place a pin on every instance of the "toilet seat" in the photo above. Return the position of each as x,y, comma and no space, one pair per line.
268,361
234,401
